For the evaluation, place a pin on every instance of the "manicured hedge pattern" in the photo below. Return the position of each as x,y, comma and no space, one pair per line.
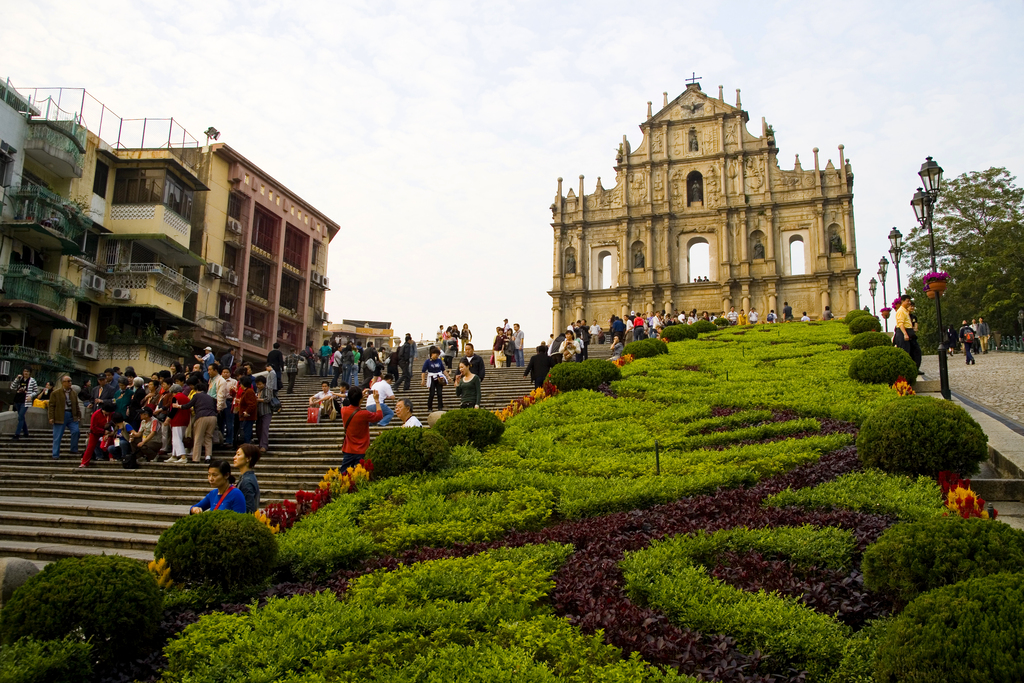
680,332
401,451
865,323
469,425
883,365
590,374
645,348
867,340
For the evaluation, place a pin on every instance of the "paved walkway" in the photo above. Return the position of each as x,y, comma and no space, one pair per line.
996,380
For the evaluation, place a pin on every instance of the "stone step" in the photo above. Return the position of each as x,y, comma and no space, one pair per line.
121,540
178,496
18,518
165,514
51,552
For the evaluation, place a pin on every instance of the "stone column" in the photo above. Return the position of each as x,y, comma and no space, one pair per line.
825,300
851,298
743,237
851,248
558,255
769,248
772,303
649,247
556,317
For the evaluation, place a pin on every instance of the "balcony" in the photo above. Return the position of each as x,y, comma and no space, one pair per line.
254,336
142,220
58,146
45,220
159,276
46,367
28,283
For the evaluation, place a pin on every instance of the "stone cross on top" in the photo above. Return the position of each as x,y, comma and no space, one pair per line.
693,78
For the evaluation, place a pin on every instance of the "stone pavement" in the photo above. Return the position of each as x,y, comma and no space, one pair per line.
995,381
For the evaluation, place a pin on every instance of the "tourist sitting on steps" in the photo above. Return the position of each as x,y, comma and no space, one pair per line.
224,495
245,460
616,348
145,440
324,399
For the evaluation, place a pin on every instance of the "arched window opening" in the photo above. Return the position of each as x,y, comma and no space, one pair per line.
796,256
698,261
604,270
694,188
639,260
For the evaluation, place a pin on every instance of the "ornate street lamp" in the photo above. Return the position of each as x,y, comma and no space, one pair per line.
873,287
924,205
895,252
883,267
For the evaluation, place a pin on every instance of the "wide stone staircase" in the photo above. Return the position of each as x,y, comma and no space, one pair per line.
52,509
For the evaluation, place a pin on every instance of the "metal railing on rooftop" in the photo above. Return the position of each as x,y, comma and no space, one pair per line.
14,99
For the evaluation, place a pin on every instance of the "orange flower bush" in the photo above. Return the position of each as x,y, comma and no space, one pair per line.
518,405
162,571
625,360
902,387
960,499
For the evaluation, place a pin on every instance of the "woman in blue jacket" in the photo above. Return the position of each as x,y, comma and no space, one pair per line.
224,495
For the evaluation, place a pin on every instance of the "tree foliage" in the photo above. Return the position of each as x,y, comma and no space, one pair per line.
978,229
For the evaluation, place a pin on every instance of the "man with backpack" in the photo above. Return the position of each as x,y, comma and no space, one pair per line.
406,359
967,338
370,362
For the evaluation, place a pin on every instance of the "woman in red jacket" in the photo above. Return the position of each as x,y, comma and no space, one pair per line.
247,408
179,419
97,429
357,427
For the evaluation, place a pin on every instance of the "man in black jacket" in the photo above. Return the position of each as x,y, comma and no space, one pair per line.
475,362
275,359
369,354
406,359
538,367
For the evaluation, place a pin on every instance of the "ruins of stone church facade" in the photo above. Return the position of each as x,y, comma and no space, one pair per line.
702,196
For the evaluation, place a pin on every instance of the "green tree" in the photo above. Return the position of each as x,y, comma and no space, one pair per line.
979,233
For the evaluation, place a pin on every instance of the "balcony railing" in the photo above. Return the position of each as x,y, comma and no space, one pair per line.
168,281
58,144
254,337
46,367
35,205
28,283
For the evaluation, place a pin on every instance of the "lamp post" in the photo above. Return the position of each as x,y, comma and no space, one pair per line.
873,287
895,252
924,205
883,267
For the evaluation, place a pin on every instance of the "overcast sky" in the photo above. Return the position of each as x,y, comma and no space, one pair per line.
434,132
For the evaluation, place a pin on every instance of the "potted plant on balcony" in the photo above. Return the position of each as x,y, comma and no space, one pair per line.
935,283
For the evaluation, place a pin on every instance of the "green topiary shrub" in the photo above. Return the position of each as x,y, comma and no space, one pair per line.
869,340
918,435
679,332
589,374
854,314
964,633
480,428
113,601
645,348
721,322
705,326
399,451
865,323
883,365
46,661
910,559
224,549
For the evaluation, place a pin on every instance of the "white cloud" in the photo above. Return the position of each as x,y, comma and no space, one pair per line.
434,132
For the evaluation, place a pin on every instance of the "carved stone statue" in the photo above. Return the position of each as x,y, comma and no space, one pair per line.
570,263
836,244
638,258
694,145
696,191
758,250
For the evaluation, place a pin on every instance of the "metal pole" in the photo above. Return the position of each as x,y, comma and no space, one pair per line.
943,366
885,302
873,312
899,287
657,458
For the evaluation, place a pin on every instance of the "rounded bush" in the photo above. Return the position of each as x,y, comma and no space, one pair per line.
854,314
679,332
964,633
920,435
399,451
111,600
721,322
865,323
469,425
645,348
224,549
869,340
910,559
590,374
46,661
704,326
883,365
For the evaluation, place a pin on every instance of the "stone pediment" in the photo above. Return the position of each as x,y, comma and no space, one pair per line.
693,103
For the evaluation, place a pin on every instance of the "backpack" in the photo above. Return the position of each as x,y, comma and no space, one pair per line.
969,336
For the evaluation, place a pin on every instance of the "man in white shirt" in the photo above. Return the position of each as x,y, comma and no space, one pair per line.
752,316
506,327
804,318
732,315
519,338
629,328
403,409
382,387
324,399
595,332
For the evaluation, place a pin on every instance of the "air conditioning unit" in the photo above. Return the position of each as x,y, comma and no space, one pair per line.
232,277
324,317
318,315
77,344
235,226
95,282
90,350
12,321
317,278
327,282
121,294
5,369
214,270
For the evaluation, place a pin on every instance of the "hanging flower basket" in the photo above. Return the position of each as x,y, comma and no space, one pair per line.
935,282
885,312
930,293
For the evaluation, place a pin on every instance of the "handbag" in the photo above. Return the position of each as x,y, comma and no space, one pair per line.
275,404
313,415
500,356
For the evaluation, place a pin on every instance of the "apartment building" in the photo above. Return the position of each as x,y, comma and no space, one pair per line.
127,242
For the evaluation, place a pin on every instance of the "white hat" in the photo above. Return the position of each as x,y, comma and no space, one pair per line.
208,348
